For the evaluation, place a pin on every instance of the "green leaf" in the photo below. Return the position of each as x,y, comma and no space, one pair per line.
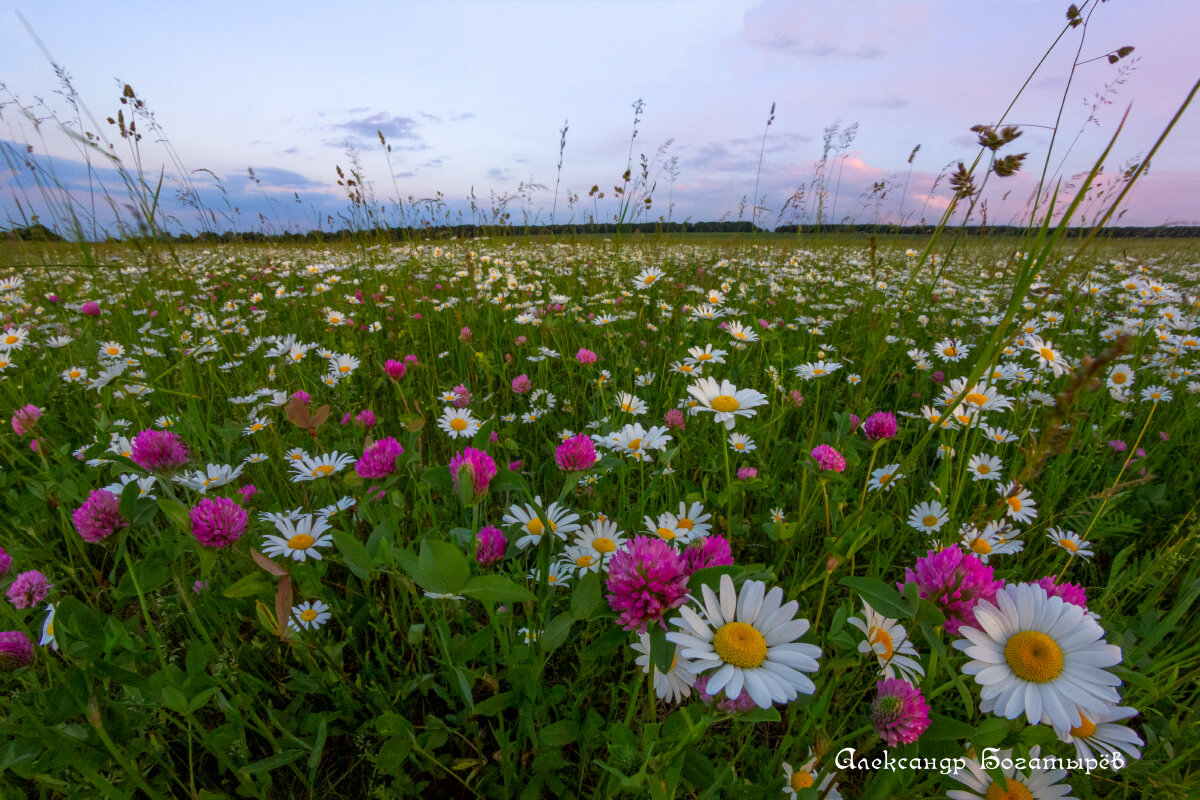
441,568
496,589
557,631
495,704
438,478
272,762
882,597
710,577
991,732
509,481
759,715
585,599
174,700
947,729
662,652
129,498
559,734
247,586
354,554
176,512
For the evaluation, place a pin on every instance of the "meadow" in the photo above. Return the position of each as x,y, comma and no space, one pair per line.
636,516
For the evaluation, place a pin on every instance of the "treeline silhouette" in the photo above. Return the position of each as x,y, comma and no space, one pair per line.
42,233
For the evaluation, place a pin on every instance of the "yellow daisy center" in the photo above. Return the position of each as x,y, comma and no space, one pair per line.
634,444
258,426
323,471
929,520
1067,544
739,445
344,369
800,780
10,339
818,371
458,424
980,546
627,407
725,403
666,533
976,398
704,357
950,351
740,644
882,637
75,373
884,479
50,632
584,561
1085,729
308,614
114,351
1014,503
1046,353
301,541
685,523
602,544
649,279
984,469
1033,656
1016,791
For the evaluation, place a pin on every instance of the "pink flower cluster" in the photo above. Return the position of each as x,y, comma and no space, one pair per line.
379,460
585,356
899,712
521,384
646,579
16,649
394,369
489,545
829,459
954,581
711,551
24,419
1072,593
161,450
476,467
218,522
576,454
98,517
743,702
880,425
29,589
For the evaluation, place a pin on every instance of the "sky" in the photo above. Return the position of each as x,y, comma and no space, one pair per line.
472,96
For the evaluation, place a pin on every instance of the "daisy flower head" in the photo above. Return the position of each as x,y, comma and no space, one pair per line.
558,576
928,517
889,641
984,467
600,537
742,335
816,369
748,640
309,615
48,629
630,404
996,539
458,422
741,443
646,579
806,776
955,581
1071,542
1036,784
777,515
725,400
1120,377
674,686
636,442
214,475
582,559
299,539
666,527
1021,505
562,522
705,355
1040,657
322,466
1047,356
951,350
884,478
647,278
1101,731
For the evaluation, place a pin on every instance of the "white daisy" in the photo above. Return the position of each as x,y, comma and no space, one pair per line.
984,467
562,522
1037,784
889,641
748,640
299,538
725,400
741,443
48,628
458,422
1071,542
928,517
1021,505
322,466
693,518
1038,656
676,684
309,615
1101,732
884,477
806,776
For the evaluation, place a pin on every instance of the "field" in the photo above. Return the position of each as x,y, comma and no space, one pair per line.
391,519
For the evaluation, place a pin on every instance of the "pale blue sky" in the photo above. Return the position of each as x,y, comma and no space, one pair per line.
474,94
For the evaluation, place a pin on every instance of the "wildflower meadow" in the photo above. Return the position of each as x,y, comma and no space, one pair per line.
806,514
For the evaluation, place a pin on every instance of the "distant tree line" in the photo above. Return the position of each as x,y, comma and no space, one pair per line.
41,233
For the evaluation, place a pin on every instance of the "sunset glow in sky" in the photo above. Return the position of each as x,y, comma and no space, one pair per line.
472,94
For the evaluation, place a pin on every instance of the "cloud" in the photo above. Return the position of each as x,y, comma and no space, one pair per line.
367,128
499,175
889,103
794,47
463,116
279,178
